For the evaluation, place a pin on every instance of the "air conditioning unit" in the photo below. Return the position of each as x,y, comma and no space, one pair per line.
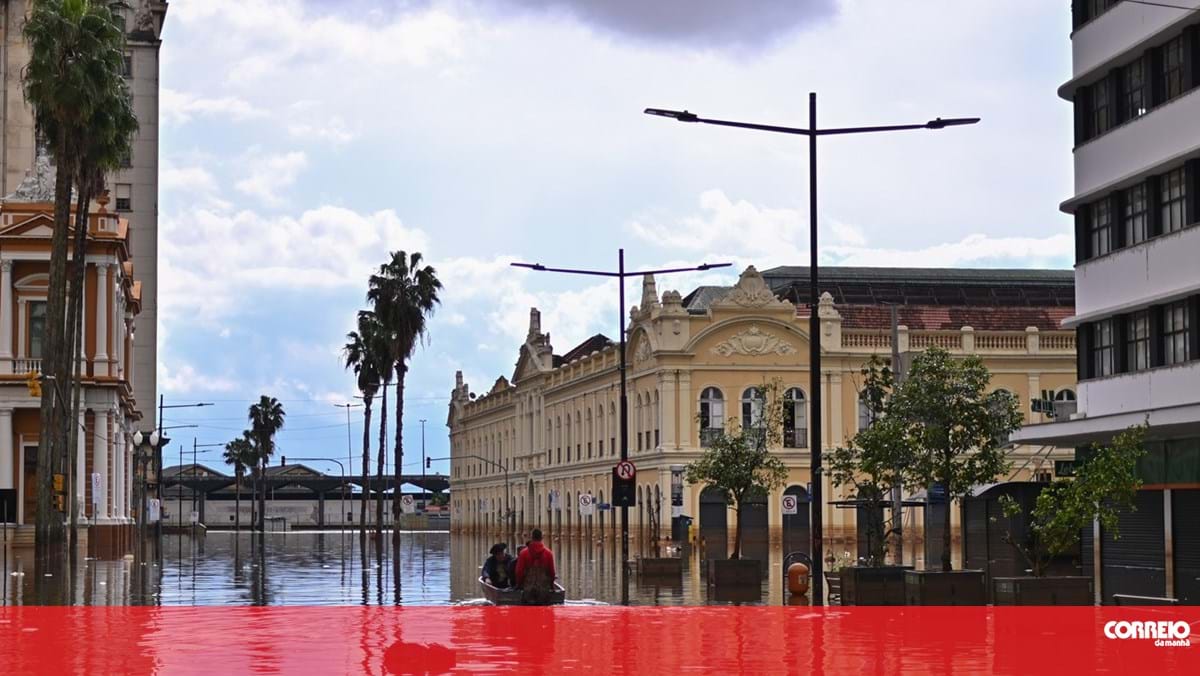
1063,410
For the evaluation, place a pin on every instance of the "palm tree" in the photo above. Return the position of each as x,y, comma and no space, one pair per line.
364,351
76,57
266,419
404,294
240,454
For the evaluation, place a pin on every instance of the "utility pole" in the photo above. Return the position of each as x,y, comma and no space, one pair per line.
423,505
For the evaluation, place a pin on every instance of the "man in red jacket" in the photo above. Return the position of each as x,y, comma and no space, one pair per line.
535,569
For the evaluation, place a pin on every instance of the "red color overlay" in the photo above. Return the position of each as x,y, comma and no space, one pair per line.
662,641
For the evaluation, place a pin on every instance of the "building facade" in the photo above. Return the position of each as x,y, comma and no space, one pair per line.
102,481
1135,87
540,438
134,187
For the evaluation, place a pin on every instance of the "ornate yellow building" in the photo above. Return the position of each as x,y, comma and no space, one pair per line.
553,425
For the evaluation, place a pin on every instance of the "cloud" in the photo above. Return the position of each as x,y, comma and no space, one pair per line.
177,108
695,23
185,379
271,173
194,180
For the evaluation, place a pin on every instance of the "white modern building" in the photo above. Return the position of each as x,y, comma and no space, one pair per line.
1135,87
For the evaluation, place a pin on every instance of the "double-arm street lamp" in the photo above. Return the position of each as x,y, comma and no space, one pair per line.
813,132
621,275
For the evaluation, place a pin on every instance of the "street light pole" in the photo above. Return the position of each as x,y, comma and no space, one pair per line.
814,327
620,276
422,464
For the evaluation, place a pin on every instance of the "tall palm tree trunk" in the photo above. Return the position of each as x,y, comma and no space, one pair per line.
379,466
49,529
75,340
398,457
366,468
237,503
262,495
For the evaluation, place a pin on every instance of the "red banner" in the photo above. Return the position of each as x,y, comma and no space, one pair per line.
412,640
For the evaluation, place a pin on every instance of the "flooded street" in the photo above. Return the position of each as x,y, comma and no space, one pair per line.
296,568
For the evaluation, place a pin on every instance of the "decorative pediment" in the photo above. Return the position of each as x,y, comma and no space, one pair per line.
38,225
753,342
500,385
751,292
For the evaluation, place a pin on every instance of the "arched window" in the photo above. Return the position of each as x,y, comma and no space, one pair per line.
712,414
601,430
578,437
558,438
1064,395
657,419
614,425
590,433
752,409
637,417
567,437
795,419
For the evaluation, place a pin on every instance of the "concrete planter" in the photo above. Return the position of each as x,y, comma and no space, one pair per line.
873,585
1043,591
944,588
660,567
734,572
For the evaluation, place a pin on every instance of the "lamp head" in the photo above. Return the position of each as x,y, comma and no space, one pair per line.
939,123
680,115
154,439
138,438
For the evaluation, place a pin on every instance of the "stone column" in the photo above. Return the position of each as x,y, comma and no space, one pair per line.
101,355
685,410
100,465
1035,391
6,451
114,327
669,410
6,317
836,433
81,465
118,467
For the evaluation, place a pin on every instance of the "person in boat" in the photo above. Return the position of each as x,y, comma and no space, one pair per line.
497,570
535,570
512,565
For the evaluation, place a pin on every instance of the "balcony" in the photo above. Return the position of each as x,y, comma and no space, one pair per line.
963,341
795,438
1159,388
1130,278
23,367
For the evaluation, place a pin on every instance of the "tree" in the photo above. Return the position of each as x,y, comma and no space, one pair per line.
403,293
266,419
239,453
1105,483
952,429
366,352
738,462
76,54
870,464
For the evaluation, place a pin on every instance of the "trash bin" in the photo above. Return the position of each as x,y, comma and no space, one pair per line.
680,528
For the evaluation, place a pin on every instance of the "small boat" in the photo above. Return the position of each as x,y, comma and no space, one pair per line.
513,597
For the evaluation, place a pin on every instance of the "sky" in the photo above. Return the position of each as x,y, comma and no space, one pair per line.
303,140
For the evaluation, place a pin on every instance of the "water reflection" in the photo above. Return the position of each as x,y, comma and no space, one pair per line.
335,568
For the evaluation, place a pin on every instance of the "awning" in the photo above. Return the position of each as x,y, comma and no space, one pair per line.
1165,423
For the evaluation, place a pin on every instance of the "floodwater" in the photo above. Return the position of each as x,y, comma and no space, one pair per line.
428,568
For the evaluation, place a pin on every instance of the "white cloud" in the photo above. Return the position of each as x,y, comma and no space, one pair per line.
177,108
271,173
185,379
194,180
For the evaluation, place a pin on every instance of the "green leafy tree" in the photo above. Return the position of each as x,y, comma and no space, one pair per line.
1105,483
240,454
75,60
266,419
404,293
366,353
738,461
951,427
870,465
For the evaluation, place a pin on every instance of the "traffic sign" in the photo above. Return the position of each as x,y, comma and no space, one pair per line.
624,492
790,504
585,504
626,470
407,505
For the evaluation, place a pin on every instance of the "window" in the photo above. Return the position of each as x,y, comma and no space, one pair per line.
795,419
1101,110
1135,216
127,159
1175,333
865,415
1133,94
1102,348
1174,196
1064,395
1100,229
1137,341
1172,69
37,329
612,446
712,414
124,197
752,409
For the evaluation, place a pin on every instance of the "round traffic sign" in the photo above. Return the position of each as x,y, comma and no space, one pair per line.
408,499
585,500
789,504
626,470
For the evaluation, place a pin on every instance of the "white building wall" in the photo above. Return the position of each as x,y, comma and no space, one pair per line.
1124,28
1163,268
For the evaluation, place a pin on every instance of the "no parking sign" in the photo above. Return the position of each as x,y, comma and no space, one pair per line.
790,505
585,504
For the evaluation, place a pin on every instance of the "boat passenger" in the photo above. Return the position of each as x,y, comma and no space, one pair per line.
497,568
535,570
512,564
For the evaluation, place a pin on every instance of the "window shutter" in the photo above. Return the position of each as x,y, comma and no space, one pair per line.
1190,44
1083,114
1116,89
1157,82
1194,327
1118,230
1081,234
1154,225
1083,342
1156,336
1191,182
1121,355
